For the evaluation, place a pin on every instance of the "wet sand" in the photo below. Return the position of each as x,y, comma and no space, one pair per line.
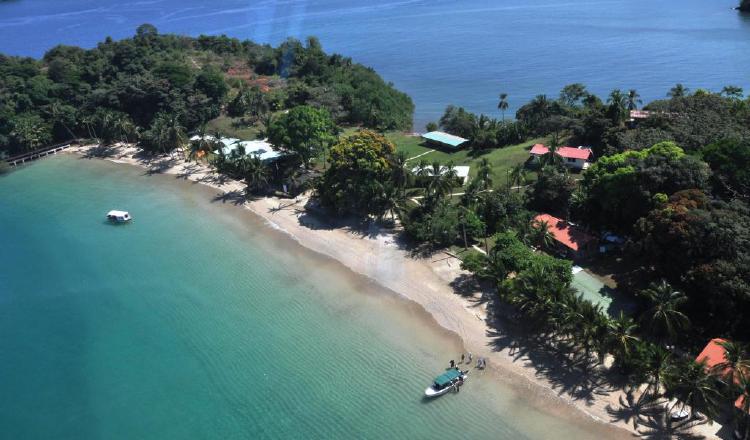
432,283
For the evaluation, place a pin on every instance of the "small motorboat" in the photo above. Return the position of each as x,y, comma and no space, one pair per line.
119,216
446,382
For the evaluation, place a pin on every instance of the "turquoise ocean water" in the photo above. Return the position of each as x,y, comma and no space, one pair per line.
198,321
443,51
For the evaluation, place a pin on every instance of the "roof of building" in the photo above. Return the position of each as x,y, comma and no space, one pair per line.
259,147
462,171
568,235
444,138
565,152
713,355
639,114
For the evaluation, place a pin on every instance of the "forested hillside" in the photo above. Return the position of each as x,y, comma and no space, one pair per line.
137,88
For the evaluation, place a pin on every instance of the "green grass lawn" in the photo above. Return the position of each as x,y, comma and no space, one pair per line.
501,159
230,127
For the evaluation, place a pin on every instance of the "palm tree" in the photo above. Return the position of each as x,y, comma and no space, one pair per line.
394,200
736,362
663,317
518,176
657,365
168,133
58,114
733,92
634,99
255,173
541,234
441,180
618,106
690,384
743,389
621,334
502,104
484,175
401,172
678,91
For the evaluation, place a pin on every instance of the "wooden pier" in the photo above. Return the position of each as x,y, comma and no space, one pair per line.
38,154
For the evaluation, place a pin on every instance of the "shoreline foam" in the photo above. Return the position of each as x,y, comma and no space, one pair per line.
424,281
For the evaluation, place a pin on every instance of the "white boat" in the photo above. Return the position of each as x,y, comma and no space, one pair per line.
119,216
446,382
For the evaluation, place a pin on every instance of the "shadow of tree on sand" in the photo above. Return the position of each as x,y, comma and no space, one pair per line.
235,197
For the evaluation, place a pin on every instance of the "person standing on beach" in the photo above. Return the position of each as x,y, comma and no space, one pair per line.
453,363
462,358
470,356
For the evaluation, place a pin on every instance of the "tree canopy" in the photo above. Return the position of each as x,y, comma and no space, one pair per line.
360,168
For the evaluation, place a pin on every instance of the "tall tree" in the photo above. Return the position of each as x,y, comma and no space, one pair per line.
678,91
634,99
360,167
663,316
502,104
690,384
304,131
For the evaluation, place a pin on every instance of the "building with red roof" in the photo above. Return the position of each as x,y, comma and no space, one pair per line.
571,241
578,158
713,355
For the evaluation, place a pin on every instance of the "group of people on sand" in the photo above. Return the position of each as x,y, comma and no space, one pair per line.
481,361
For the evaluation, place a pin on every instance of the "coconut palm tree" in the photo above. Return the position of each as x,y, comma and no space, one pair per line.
634,99
736,362
678,91
484,175
168,133
441,179
742,421
663,317
656,366
617,106
541,235
254,173
59,114
394,199
502,104
401,173
621,334
517,176
690,384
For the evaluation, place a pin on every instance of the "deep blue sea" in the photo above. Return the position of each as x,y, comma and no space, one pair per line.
443,52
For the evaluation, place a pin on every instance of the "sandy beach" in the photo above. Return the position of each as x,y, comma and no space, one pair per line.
438,285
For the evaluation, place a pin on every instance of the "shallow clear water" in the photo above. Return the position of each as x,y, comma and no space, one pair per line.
443,51
198,321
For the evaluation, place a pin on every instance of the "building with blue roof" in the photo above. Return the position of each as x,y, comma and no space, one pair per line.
444,140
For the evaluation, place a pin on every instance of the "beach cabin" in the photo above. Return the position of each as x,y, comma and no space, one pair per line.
576,158
570,241
443,141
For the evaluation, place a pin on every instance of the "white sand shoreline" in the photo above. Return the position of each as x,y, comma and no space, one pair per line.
425,281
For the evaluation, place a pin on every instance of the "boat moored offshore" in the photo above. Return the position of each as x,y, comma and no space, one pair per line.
119,216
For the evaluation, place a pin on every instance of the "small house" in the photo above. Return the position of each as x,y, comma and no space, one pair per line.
443,141
577,158
570,241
